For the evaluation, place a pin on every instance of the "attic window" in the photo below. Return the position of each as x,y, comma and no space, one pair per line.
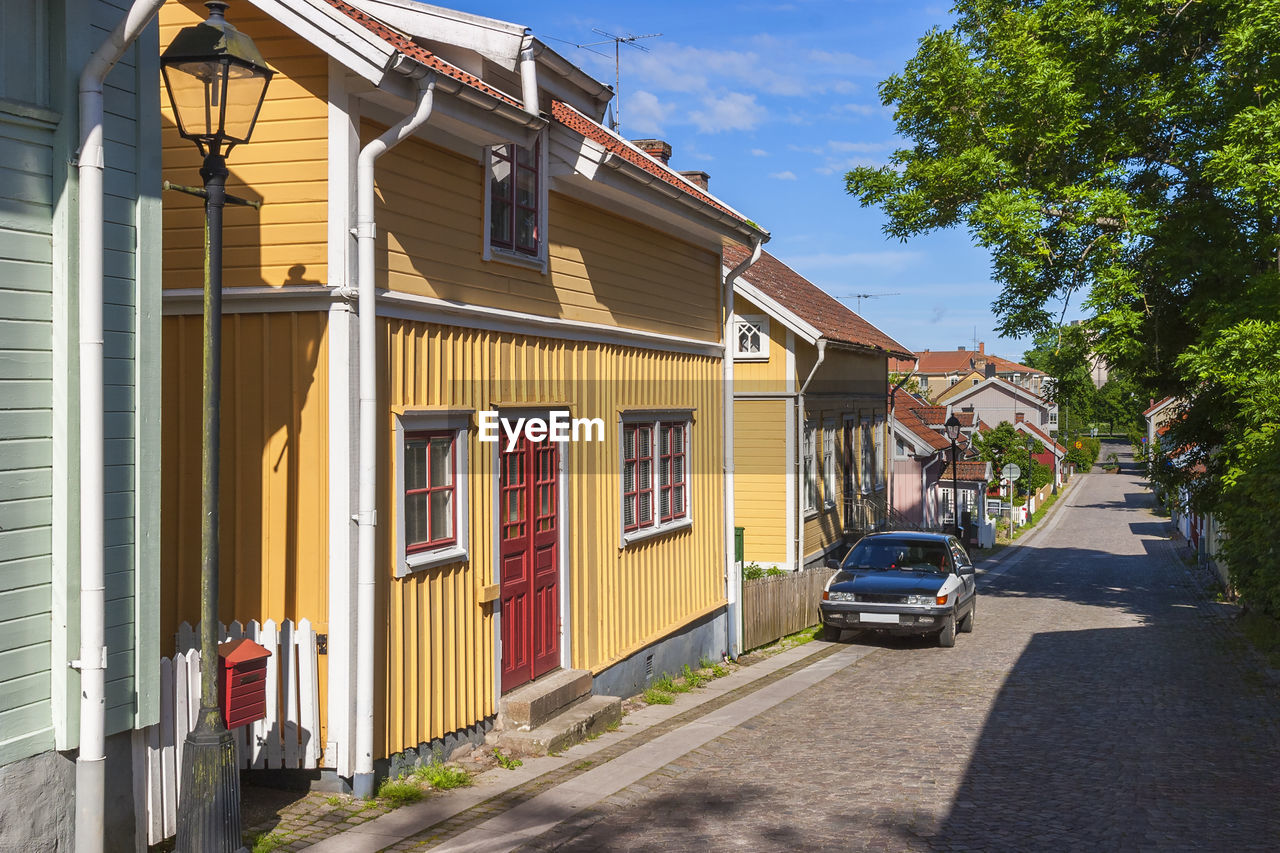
751,339
515,203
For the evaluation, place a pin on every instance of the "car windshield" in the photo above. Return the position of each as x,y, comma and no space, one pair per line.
900,554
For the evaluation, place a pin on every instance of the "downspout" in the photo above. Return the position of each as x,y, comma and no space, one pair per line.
92,663
528,76
368,432
822,356
733,580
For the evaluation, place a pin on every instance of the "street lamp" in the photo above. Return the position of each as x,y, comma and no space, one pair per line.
216,80
953,433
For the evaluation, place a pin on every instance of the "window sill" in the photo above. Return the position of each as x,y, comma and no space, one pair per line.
516,259
430,560
751,356
653,532
811,513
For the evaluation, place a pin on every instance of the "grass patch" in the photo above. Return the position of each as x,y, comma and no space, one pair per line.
583,765
718,670
667,684
335,800
1263,633
442,778
654,696
400,792
506,762
268,841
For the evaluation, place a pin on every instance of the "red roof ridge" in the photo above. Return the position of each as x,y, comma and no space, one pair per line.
415,51
575,119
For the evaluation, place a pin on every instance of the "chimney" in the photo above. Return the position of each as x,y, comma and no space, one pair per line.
991,370
1017,417
702,179
655,148
982,348
961,349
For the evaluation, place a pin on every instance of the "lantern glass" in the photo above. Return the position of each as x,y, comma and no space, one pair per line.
953,427
215,99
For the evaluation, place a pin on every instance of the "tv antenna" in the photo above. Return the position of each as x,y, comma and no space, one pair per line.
862,296
618,41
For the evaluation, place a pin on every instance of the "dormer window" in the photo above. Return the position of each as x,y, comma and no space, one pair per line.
751,339
516,205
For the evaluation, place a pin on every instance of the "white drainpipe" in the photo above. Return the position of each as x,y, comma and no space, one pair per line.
92,663
800,426
528,76
368,441
733,580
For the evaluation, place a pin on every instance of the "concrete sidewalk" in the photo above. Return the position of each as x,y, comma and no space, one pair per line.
505,808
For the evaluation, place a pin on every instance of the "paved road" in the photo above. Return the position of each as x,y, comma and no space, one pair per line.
1100,704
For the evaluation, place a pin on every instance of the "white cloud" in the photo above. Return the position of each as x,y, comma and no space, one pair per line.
784,176
859,147
759,152
645,113
734,111
862,109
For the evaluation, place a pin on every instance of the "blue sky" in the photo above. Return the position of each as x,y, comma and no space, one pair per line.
776,101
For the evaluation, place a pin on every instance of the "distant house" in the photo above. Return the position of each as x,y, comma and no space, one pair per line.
1157,416
940,371
998,401
810,437
1053,455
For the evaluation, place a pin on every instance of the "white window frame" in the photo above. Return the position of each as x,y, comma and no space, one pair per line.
654,420
866,456
809,481
761,324
901,448
459,423
538,260
879,426
829,467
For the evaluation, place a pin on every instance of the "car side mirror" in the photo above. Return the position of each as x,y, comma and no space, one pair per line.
966,570
833,563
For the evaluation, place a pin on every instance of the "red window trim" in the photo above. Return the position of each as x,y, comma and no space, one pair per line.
666,466
426,436
642,454
508,242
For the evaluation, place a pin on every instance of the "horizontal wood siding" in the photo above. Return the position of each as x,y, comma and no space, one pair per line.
274,486
438,643
26,430
760,477
603,268
285,167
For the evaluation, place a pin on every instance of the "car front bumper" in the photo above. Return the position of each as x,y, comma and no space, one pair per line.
896,619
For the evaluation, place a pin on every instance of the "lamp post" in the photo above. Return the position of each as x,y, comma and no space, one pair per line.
216,81
953,433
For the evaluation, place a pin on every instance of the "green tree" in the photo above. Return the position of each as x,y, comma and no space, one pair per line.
1005,445
1126,155
1065,354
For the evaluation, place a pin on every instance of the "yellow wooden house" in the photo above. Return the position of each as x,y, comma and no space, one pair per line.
451,245
810,392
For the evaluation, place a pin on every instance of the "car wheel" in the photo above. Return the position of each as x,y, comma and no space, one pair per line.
966,624
947,636
831,633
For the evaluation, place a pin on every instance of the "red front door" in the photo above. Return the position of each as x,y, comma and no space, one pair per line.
529,500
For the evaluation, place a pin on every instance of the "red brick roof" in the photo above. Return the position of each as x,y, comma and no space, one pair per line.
946,361
1155,406
920,429
834,321
937,416
1004,365
593,130
417,52
970,472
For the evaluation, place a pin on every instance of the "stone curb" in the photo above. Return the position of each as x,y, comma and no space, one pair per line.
408,821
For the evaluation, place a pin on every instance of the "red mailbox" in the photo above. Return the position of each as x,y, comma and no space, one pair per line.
242,682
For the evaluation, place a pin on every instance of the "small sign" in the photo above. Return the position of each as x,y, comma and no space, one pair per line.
1011,472
1079,444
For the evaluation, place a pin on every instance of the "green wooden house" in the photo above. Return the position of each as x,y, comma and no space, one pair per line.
44,44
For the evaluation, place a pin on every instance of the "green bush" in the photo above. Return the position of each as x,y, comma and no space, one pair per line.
752,572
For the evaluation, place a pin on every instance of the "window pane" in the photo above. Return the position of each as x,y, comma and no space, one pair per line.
441,461
665,433
442,515
629,510
527,188
645,512
677,465
527,156
527,229
677,438
415,518
415,465
628,442
646,475
677,500
664,502
629,477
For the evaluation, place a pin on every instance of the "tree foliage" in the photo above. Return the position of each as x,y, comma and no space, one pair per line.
1005,445
1125,154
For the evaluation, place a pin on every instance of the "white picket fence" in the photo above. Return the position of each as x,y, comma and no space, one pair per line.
289,737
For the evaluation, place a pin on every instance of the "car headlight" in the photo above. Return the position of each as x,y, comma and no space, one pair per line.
920,600
841,596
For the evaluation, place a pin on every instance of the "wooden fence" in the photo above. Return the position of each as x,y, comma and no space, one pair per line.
773,607
289,737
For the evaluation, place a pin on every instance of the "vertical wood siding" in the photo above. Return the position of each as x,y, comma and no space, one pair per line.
603,268
438,644
285,166
760,477
274,522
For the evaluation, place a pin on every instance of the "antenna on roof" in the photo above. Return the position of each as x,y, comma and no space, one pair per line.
862,296
618,41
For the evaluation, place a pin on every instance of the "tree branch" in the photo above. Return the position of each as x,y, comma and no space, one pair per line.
1103,221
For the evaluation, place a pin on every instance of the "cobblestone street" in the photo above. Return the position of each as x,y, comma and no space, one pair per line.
1102,703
